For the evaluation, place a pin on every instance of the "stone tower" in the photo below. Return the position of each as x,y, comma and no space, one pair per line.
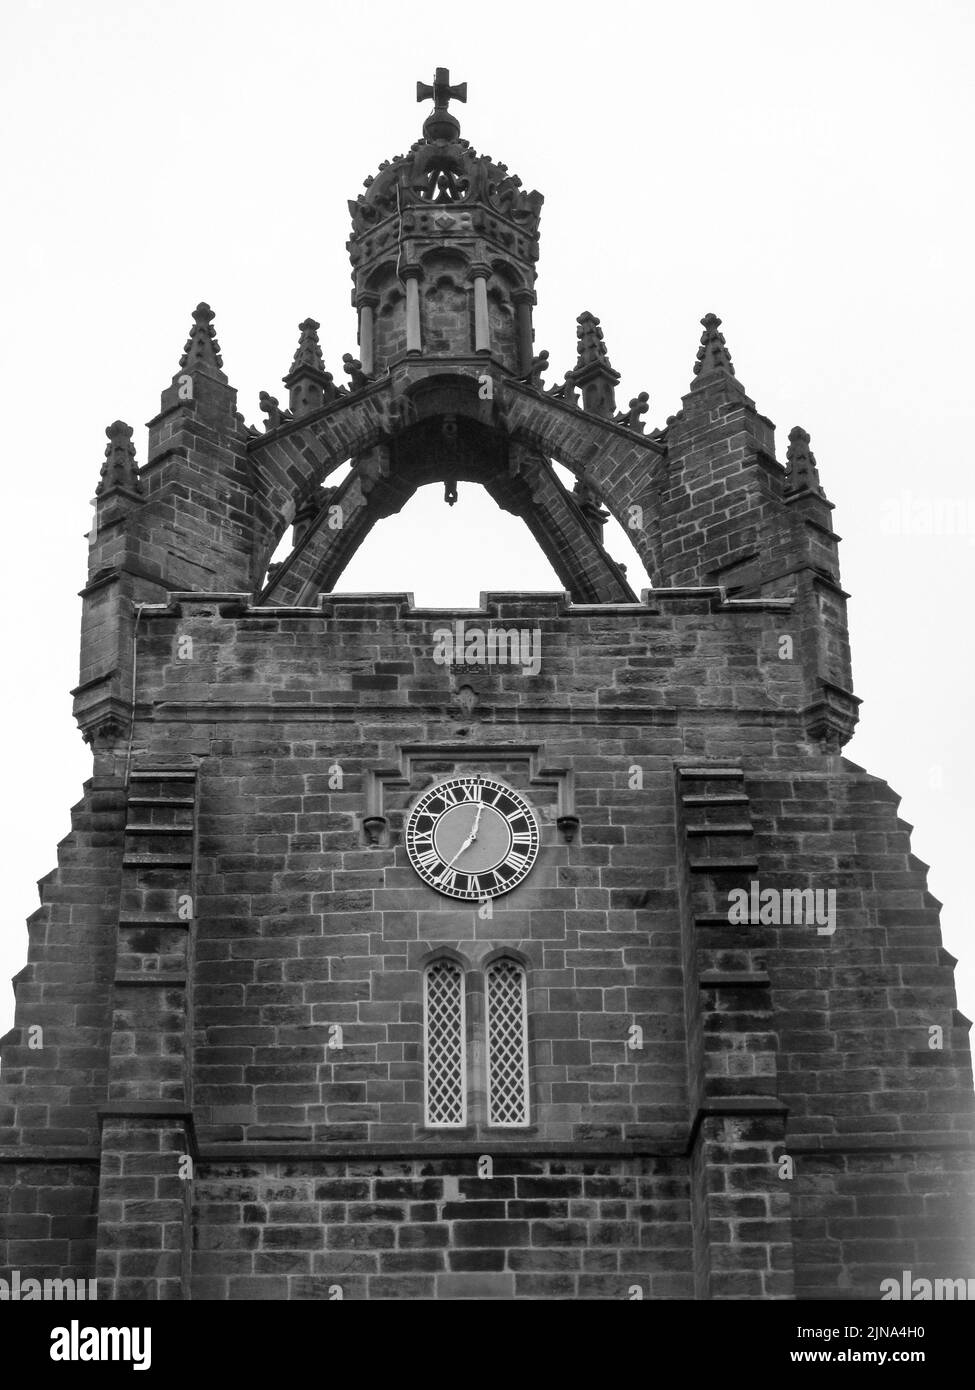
547,950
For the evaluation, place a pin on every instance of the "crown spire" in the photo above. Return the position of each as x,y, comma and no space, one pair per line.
202,351
801,471
119,471
713,357
441,124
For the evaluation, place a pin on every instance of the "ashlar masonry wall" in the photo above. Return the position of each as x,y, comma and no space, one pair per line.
784,1127
301,924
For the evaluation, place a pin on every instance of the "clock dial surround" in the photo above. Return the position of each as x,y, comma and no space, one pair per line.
472,838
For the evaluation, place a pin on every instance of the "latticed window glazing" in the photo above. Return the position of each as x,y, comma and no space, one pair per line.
507,1044
445,1061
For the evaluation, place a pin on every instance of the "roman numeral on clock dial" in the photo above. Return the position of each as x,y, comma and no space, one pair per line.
427,857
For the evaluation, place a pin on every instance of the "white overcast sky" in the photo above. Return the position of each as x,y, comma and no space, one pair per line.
803,170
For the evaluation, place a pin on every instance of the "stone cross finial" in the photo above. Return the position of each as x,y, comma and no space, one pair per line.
270,406
441,91
441,125
639,405
353,370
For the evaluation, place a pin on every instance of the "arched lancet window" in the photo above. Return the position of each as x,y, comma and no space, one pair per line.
444,1052
507,1044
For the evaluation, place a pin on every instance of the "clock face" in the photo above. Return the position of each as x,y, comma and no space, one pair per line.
472,838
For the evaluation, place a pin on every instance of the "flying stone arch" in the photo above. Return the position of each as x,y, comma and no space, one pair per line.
517,429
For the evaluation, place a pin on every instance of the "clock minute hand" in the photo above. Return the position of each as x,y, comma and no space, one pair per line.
467,843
